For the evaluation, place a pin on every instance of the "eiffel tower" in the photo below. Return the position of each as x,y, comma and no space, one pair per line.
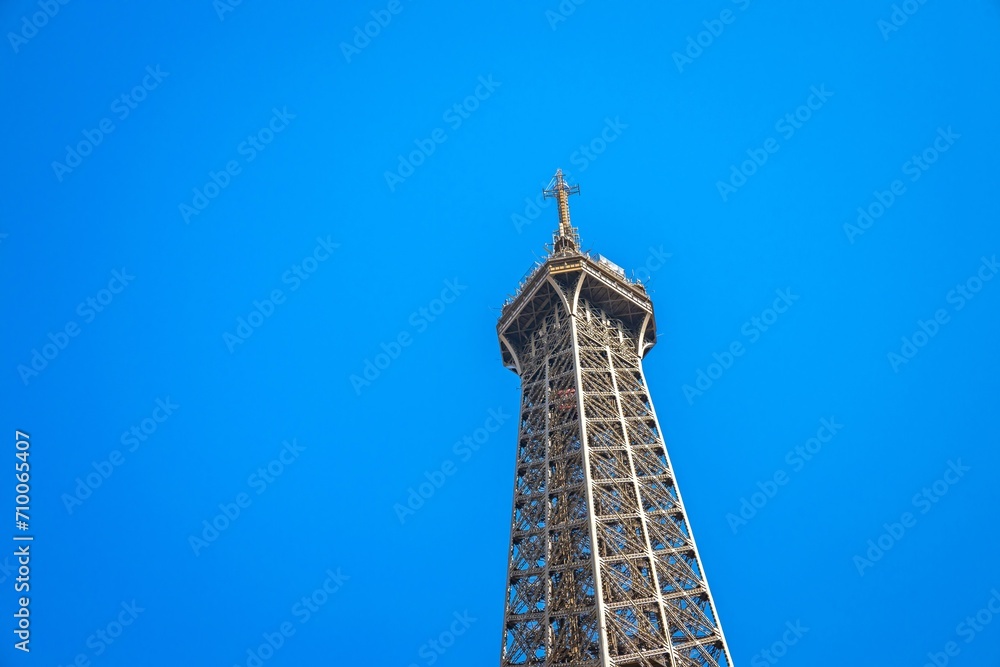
603,568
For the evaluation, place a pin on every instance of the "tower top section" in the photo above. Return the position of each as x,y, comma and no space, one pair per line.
570,282
566,238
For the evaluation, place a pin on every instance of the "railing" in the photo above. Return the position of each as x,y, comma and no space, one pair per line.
599,259
525,279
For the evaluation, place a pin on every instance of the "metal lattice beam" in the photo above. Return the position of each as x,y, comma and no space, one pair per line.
603,568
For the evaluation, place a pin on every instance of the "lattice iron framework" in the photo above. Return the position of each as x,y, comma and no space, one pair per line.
603,568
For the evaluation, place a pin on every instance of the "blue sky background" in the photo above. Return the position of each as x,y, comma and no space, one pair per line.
559,80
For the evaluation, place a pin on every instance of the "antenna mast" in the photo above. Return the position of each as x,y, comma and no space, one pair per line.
566,238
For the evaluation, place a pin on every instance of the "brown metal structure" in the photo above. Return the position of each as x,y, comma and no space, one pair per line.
603,568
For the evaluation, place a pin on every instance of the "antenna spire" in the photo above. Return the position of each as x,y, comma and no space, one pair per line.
566,238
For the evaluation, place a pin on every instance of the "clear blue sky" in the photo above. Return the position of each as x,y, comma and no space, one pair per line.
271,163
